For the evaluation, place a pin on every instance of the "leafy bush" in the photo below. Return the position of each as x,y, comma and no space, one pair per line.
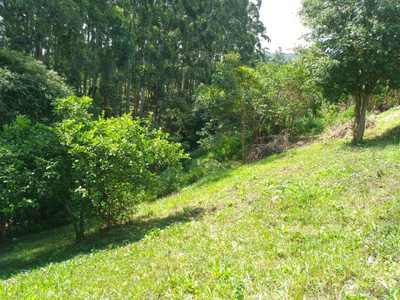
332,116
30,176
179,120
222,146
90,166
116,162
309,125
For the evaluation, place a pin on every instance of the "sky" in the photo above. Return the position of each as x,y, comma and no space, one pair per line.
283,25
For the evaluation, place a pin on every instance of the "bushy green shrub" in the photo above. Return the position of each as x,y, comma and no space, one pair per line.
308,125
31,177
222,146
93,167
117,161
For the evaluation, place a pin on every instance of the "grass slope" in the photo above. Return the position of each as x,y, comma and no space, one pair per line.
321,222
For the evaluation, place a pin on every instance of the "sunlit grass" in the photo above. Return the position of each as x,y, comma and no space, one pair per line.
321,222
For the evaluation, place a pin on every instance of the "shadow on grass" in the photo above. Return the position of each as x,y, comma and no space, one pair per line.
39,250
389,138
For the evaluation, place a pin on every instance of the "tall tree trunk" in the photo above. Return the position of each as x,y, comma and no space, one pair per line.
85,84
396,93
94,82
57,55
81,235
39,51
147,59
137,100
128,97
3,221
360,116
184,69
386,100
141,103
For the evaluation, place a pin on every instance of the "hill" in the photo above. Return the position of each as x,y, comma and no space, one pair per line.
287,56
319,222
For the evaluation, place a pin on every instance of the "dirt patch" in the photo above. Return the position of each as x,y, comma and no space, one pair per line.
342,131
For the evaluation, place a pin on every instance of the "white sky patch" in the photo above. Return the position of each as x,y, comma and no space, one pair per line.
283,24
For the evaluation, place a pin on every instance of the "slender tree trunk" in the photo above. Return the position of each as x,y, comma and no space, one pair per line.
57,55
94,82
3,221
130,66
141,103
184,71
85,84
396,93
128,97
292,115
147,59
81,235
39,51
360,116
137,100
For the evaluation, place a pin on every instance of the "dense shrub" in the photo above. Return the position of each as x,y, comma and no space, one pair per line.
31,177
99,167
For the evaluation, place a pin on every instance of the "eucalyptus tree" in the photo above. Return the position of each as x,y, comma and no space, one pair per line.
154,52
362,40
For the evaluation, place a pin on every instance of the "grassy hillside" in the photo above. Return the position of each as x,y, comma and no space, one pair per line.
320,222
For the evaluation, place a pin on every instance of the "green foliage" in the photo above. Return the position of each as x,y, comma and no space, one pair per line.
27,88
229,99
333,117
309,125
180,122
223,146
267,99
116,162
90,166
357,38
115,50
30,174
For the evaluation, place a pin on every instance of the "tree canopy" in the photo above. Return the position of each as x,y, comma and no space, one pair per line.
133,56
362,40
27,88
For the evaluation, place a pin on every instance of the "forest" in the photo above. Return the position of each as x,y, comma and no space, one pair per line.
107,104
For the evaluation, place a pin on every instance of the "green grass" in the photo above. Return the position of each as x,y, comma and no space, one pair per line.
320,222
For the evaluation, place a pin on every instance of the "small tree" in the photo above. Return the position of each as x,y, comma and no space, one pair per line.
233,89
362,40
283,90
116,162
